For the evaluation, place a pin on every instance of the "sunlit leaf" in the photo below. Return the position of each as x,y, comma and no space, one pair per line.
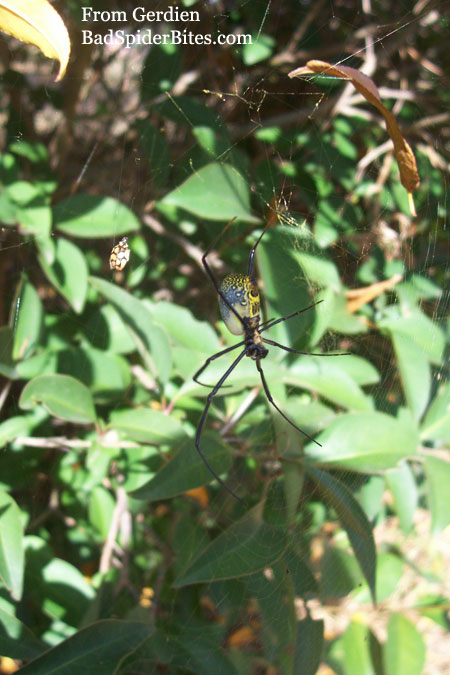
93,216
11,546
151,340
365,442
216,191
404,651
38,23
438,474
68,273
63,397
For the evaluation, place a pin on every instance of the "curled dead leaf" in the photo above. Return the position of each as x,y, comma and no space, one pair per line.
36,22
409,174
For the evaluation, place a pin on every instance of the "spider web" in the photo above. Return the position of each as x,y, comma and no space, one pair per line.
287,139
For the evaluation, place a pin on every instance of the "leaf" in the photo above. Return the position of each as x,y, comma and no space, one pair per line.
98,648
101,509
16,426
409,175
16,639
356,649
426,333
246,547
186,470
216,191
365,442
438,477
27,320
7,367
324,375
145,425
402,485
38,23
105,374
404,651
63,396
151,341
11,545
436,425
353,520
94,216
68,273
308,646
414,371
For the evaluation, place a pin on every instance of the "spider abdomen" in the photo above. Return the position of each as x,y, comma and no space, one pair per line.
241,292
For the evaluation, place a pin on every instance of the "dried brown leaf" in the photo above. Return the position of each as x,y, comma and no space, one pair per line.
409,175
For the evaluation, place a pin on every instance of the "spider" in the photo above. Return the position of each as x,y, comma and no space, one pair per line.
120,255
240,310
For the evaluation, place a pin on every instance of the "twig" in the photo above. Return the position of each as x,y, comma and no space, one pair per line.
240,411
119,510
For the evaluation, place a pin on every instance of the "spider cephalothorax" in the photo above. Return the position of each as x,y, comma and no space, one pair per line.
240,309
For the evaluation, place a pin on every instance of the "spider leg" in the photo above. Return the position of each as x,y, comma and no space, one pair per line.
212,358
203,418
213,278
270,399
295,351
252,252
290,316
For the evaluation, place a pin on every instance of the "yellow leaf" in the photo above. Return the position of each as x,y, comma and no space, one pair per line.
409,175
36,22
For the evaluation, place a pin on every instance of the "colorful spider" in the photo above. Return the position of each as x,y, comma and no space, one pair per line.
240,309
120,255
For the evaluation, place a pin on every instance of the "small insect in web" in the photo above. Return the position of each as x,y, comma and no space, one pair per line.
240,309
120,255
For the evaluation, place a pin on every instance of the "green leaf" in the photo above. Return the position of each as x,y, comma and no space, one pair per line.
101,509
356,650
216,192
94,216
68,273
325,376
27,320
414,371
404,651
63,397
19,425
98,649
438,476
186,470
436,426
365,442
186,330
259,49
403,487
151,340
11,546
308,646
16,639
427,335
353,520
7,368
145,425
246,547
105,374
359,369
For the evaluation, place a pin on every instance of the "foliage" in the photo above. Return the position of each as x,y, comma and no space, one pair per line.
114,556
